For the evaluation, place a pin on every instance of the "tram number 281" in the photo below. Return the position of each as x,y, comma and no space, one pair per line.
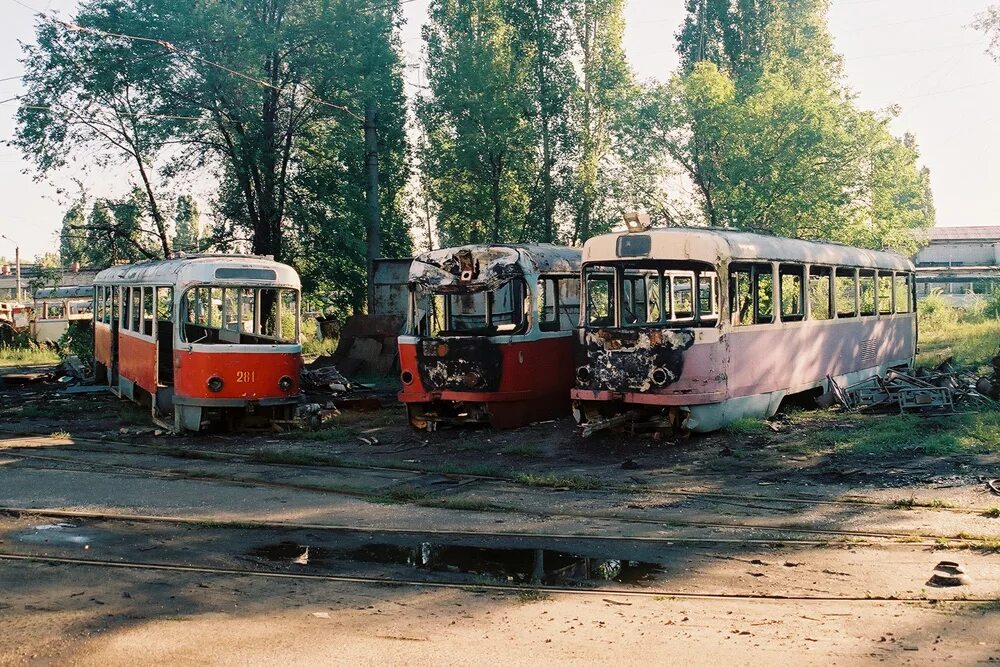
243,377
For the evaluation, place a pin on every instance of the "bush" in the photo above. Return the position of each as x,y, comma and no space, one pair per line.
77,340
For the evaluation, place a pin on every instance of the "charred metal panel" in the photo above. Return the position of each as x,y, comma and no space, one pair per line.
459,364
632,359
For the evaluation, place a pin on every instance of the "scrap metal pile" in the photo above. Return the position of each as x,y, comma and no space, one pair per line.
943,390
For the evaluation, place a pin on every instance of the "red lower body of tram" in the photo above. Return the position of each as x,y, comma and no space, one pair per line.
198,385
476,380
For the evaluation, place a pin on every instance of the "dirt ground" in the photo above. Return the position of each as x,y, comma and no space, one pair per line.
812,539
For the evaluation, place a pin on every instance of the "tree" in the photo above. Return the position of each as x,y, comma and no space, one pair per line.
187,226
72,239
480,143
773,142
85,98
265,97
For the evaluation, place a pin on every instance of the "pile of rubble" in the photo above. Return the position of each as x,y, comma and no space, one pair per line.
942,390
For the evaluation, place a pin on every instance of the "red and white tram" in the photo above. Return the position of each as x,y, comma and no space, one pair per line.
490,334
702,327
206,337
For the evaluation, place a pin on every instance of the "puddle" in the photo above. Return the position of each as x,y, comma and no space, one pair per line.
510,565
54,533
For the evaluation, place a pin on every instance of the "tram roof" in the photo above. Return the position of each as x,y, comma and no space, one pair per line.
202,269
495,264
65,292
711,245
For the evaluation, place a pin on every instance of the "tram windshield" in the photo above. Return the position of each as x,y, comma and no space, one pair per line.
651,293
240,315
503,311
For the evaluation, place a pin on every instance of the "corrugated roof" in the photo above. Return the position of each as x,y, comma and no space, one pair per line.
981,233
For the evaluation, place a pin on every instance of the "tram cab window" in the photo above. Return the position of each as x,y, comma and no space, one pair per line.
884,293
820,292
866,292
507,308
600,297
845,291
683,297
791,284
636,297
126,299
901,285
135,308
164,303
234,315
558,303
99,303
708,310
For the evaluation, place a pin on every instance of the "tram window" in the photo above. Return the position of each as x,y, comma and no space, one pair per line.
654,281
845,290
706,296
123,315
600,299
902,292
634,300
148,311
54,311
764,288
99,303
115,305
683,297
135,309
884,293
230,309
819,293
289,315
165,303
548,304
740,296
866,290
247,308
507,306
215,308
791,284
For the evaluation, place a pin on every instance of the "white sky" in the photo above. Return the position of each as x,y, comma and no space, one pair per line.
919,54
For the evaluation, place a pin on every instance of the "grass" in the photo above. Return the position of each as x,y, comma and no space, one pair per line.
292,457
332,434
524,450
992,513
975,433
970,336
573,482
27,356
748,427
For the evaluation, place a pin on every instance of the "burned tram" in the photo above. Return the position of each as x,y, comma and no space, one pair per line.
490,335
695,328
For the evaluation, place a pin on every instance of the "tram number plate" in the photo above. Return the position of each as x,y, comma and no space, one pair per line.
243,377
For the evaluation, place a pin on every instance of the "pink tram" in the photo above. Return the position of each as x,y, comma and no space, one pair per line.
208,338
489,337
699,327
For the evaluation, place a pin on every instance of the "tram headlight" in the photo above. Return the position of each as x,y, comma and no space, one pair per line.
285,383
471,380
406,377
215,383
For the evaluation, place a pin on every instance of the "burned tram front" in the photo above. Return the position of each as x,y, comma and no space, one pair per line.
490,335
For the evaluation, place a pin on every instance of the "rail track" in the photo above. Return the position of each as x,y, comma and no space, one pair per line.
476,586
911,538
208,454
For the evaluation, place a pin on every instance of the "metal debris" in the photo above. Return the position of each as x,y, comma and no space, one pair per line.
949,573
940,391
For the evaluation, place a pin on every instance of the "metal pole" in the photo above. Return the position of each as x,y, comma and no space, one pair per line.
17,264
374,213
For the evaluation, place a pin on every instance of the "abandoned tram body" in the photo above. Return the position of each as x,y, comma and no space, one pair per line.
207,338
701,327
490,335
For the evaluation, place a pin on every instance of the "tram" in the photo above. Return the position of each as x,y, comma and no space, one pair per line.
208,338
57,308
696,328
489,337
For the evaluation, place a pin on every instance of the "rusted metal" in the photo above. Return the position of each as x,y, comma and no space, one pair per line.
633,359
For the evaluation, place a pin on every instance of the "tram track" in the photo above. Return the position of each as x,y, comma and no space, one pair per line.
913,538
234,457
180,568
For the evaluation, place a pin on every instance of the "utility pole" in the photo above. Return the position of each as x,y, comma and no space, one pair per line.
374,211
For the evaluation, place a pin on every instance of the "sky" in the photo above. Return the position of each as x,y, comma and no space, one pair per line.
919,54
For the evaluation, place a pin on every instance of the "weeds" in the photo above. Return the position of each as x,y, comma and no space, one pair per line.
748,427
992,513
332,434
524,450
573,482
27,356
294,457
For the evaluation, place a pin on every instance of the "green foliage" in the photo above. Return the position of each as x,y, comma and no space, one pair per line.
187,225
747,427
77,340
769,134
72,239
972,433
26,355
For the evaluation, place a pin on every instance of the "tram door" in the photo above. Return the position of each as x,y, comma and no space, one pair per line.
116,307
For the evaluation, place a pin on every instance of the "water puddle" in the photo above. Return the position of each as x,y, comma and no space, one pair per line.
503,564
55,533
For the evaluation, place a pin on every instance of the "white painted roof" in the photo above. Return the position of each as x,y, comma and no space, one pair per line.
200,269
496,263
713,245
